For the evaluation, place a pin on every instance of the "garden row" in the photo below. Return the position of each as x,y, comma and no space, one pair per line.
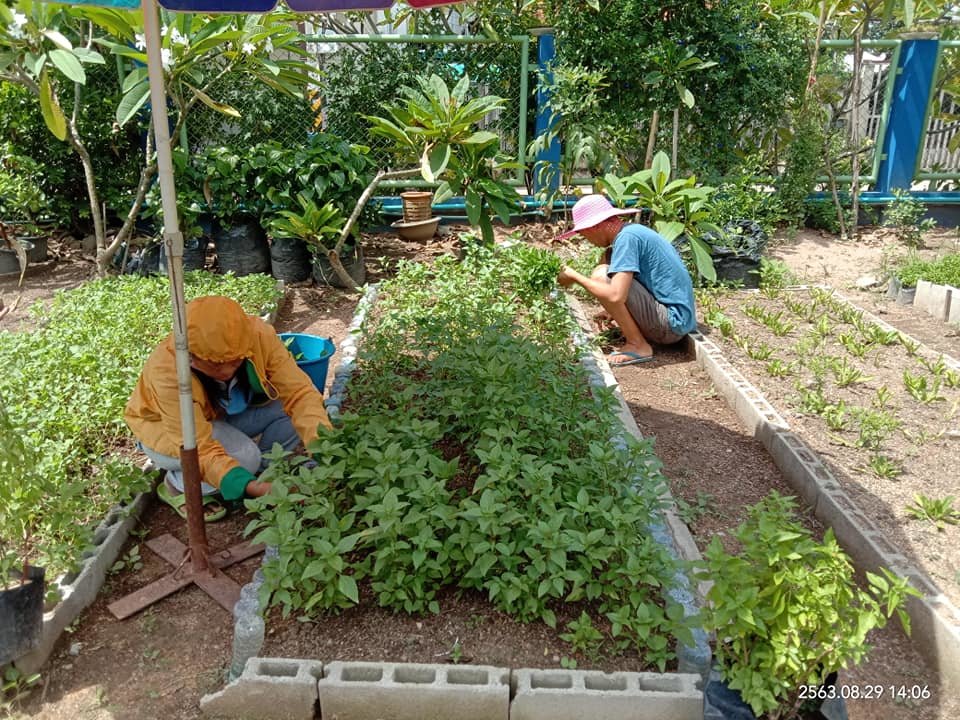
882,412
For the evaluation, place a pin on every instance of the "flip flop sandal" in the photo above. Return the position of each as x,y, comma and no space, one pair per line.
633,358
213,508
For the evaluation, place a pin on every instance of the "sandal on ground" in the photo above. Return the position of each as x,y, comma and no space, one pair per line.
213,508
632,358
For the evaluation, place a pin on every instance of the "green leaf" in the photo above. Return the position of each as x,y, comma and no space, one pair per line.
91,57
702,259
434,162
66,63
132,101
218,106
348,587
57,39
52,113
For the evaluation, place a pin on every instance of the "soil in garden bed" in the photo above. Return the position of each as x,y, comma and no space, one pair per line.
884,446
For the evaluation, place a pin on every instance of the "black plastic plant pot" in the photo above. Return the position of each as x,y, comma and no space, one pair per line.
722,703
21,615
738,269
290,259
352,259
243,248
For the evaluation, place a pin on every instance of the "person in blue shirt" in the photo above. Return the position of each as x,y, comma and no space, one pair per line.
645,288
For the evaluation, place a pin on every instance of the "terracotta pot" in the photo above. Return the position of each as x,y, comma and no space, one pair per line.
416,205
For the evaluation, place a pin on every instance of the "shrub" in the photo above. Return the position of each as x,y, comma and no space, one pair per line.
787,611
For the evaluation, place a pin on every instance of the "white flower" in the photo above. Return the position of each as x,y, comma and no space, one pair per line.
248,48
16,28
166,58
268,46
140,41
177,38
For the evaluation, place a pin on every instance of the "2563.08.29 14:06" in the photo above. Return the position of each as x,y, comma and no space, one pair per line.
865,692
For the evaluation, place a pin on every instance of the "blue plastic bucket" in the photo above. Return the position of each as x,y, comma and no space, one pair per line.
312,354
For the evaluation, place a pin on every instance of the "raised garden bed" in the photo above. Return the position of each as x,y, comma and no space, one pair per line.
880,412
868,425
475,471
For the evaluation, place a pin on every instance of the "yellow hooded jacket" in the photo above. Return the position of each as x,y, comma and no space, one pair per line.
219,330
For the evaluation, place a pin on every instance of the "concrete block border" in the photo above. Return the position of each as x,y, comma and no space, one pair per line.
935,620
79,589
413,691
269,689
578,694
365,690
941,302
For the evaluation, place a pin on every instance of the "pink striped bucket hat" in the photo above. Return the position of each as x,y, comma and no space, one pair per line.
591,210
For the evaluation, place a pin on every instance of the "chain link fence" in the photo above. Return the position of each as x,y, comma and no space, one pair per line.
360,75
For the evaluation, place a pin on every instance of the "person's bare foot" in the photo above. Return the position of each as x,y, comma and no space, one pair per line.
630,355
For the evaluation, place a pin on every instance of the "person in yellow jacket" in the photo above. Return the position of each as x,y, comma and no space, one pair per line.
248,394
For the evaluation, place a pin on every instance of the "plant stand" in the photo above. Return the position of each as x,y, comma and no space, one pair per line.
216,584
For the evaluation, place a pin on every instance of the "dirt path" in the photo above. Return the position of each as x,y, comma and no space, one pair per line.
160,663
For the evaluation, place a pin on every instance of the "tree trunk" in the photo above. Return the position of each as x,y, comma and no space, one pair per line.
334,254
652,139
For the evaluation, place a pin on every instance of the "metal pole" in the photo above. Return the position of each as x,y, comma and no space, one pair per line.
173,246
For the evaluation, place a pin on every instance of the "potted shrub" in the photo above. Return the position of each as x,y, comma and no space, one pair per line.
23,492
20,201
318,228
239,237
788,615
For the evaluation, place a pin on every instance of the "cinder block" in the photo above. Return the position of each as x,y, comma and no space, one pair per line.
409,691
953,314
268,689
798,465
594,695
938,301
922,296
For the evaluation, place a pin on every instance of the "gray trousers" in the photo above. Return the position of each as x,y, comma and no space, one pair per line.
652,317
237,434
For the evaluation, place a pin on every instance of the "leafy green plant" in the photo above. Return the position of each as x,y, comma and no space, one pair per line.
854,344
318,226
846,374
921,388
15,687
787,610
835,416
884,467
677,207
909,344
691,512
583,636
436,127
779,368
25,498
875,426
904,214
775,274
939,511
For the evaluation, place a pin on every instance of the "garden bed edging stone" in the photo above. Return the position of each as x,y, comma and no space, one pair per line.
934,618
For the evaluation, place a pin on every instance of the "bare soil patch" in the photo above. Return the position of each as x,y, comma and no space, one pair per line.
160,663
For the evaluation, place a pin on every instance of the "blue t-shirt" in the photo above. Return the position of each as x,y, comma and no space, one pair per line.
657,266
